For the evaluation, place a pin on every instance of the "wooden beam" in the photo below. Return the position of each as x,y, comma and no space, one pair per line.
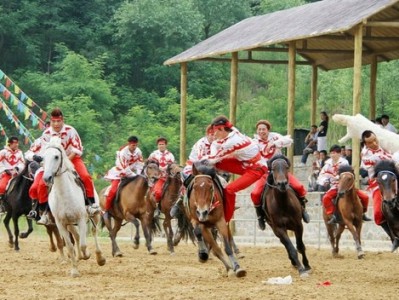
183,112
382,24
233,87
291,99
313,95
357,88
373,87
256,61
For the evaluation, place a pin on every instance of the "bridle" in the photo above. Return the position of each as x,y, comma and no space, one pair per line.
61,169
213,201
382,175
352,177
279,162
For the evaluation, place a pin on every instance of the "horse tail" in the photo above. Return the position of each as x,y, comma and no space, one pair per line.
184,225
155,226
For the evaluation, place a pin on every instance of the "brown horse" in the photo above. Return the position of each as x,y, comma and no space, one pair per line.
350,211
206,212
387,178
284,212
130,204
170,194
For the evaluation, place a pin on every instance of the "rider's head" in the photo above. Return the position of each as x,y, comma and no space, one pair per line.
13,142
56,119
369,139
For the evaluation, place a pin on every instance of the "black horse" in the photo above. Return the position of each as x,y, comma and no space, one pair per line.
387,175
18,203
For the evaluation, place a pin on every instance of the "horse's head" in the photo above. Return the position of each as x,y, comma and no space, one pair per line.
279,167
386,175
151,170
203,196
173,170
346,179
55,161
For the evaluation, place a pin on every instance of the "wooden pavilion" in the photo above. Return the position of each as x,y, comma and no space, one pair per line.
329,34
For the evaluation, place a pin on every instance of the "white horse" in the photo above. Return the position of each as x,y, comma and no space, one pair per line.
67,203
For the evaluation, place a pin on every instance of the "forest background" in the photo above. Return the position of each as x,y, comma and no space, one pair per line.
101,61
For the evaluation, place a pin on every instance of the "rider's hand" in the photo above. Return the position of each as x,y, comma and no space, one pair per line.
8,172
37,158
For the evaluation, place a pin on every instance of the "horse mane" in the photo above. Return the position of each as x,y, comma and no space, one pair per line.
55,142
16,181
278,156
345,168
385,165
205,168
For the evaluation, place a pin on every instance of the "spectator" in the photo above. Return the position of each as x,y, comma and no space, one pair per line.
348,154
323,157
385,124
316,167
322,132
311,144
378,121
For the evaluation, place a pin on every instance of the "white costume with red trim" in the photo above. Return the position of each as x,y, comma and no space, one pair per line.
275,142
10,159
163,158
200,150
329,172
239,146
70,139
369,158
127,164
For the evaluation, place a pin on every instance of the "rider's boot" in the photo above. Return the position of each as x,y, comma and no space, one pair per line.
261,217
387,230
333,219
33,213
175,208
92,207
44,219
2,208
305,215
365,218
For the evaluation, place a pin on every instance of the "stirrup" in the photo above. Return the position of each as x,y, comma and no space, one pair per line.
305,216
261,223
333,220
365,218
44,220
93,209
32,215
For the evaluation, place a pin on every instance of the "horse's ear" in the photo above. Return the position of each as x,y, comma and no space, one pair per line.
195,172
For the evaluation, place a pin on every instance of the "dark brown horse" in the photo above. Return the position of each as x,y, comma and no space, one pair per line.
206,212
170,194
387,178
130,204
350,211
284,212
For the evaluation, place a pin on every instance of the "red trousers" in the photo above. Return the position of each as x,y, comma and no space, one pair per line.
38,189
249,175
296,185
331,194
377,205
39,186
5,178
111,194
157,189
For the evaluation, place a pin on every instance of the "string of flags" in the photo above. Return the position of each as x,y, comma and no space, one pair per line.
11,93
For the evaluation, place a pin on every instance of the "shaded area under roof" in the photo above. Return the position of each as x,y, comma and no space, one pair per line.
323,31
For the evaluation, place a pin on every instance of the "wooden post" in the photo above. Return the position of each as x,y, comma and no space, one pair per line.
373,85
291,99
313,95
183,112
233,87
357,89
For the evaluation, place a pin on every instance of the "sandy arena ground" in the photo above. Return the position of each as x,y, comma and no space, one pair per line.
36,273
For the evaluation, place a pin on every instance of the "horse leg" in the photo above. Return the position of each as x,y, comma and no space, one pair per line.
52,244
82,244
341,228
95,224
16,232
203,254
301,248
234,246
25,234
53,230
355,231
71,251
167,227
227,237
136,239
147,235
7,225
292,253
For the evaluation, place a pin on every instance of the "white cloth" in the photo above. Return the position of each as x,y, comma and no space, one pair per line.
10,159
127,164
200,150
275,142
321,143
329,172
163,158
70,139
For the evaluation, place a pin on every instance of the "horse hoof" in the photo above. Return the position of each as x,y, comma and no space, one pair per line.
23,235
231,273
361,255
101,261
52,249
152,252
75,273
135,246
118,254
303,274
240,272
203,256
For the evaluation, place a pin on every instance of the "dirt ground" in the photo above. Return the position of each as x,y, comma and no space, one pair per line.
36,273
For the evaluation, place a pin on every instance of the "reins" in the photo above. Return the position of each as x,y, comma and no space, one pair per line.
213,204
59,170
353,177
274,164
